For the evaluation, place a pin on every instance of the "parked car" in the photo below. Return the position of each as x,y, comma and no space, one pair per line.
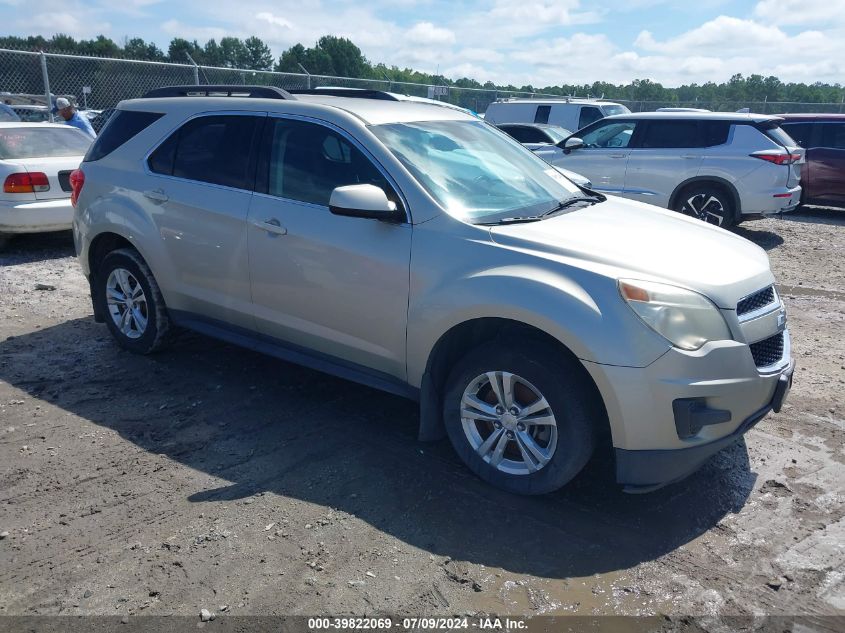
416,249
719,167
36,160
535,133
537,136
32,113
99,121
572,114
823,173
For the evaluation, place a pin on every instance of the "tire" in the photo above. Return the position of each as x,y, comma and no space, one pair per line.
145,329
707,202
537,372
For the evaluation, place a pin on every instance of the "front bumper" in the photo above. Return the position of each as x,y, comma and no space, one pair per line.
644,471
38,216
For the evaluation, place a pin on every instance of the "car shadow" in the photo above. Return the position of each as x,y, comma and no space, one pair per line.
817,215
268,426
766,240
34,247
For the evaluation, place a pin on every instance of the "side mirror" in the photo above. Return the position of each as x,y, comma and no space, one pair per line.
572,143
363,201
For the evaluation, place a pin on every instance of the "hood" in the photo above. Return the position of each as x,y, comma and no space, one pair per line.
644,242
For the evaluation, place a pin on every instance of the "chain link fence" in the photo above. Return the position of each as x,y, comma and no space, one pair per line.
98,83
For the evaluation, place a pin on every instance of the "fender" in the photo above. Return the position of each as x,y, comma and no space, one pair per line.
596,328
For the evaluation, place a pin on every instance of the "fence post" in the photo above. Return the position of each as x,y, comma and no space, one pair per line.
46,79
308,85
196,68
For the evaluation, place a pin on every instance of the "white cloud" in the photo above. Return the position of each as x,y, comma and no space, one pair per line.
787,12
426,33
275,20
73,24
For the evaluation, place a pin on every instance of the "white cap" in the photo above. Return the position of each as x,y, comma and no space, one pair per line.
62,103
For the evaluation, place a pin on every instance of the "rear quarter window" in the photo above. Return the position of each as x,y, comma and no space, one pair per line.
121,126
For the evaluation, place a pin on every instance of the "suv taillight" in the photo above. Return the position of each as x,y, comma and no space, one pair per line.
77,179
777,158
26,182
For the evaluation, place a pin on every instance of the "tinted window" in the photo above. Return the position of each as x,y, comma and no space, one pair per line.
777,134
589,115
306,162
123,125
526,134
833,135
214,149
42,142
611,134
542,114
715,132
671,134
801,132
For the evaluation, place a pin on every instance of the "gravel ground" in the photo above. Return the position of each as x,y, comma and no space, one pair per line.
208,477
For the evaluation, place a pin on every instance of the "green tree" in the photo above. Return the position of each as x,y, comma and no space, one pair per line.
257,55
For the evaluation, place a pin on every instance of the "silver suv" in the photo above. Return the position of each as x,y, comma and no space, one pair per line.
421,251
720,167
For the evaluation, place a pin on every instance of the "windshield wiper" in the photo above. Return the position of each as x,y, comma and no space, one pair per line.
564,204
571,201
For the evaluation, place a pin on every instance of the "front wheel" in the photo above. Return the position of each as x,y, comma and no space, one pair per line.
520,416
707,203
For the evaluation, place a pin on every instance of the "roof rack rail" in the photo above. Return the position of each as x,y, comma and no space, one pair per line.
352,93
222,90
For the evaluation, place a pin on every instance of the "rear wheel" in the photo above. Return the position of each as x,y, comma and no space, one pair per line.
708,203
132,302
519,416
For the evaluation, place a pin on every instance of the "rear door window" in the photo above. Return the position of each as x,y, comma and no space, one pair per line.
671,134
526,134
588,115
833,135
122,126
213,149
542,114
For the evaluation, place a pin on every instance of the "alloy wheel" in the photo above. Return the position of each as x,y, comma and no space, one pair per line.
508,422
705,207
127,303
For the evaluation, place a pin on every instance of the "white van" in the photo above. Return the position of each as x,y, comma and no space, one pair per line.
572,114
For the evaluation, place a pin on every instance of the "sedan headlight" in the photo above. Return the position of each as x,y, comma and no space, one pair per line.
685,318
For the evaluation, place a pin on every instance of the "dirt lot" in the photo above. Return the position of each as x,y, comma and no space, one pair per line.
209,476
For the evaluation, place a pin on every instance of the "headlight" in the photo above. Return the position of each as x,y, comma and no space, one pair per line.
685,318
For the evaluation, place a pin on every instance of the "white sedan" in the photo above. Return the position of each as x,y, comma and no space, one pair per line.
36,160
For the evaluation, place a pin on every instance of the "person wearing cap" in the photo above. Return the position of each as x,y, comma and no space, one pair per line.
72,117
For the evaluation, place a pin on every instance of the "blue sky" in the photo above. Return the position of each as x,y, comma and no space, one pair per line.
538,42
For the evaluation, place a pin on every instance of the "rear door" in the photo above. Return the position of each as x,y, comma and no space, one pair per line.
198,193
827,164
604,157
667,153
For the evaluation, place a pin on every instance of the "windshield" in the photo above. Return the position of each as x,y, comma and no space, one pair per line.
474,172
42,142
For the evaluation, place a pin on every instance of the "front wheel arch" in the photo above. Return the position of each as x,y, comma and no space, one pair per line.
462,338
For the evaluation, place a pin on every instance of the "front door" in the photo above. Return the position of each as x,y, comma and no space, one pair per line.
332,284
604,157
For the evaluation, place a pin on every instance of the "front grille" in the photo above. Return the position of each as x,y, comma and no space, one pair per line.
768,351
756,301
64,181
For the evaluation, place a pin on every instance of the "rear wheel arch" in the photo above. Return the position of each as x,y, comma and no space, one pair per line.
715,181
103,244
464,337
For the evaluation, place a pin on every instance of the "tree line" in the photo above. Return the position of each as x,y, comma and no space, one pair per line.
339,56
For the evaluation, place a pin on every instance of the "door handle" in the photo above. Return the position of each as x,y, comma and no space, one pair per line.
156,195
690,156
618,155
272,225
